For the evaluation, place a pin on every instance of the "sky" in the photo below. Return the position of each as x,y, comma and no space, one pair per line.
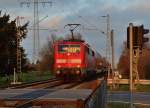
86,12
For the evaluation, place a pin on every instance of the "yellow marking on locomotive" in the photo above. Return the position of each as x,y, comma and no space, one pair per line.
72,49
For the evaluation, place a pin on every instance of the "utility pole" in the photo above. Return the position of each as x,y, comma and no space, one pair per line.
18,45
112,45
17,70
131,63
108,37
113,57
108,44
36,38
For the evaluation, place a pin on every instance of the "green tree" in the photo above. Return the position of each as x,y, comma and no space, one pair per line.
8,43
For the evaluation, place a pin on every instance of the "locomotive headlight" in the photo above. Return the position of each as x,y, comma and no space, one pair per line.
100,64
68,54
59,66
78,66
77,72
58,72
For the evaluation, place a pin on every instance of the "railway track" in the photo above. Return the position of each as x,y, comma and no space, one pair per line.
39,84
46,84
67,85
53,83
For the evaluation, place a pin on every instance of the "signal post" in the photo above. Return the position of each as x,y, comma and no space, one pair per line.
135,42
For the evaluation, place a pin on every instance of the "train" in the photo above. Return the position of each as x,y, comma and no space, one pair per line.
75,59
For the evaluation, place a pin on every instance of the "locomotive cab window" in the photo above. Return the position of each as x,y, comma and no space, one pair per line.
69,48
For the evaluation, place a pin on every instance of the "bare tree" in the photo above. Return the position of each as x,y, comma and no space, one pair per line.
143,65
47,54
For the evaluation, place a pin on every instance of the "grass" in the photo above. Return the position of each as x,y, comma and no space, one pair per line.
26,77
3,81
143,88
118,105
125,87
34,76
124,105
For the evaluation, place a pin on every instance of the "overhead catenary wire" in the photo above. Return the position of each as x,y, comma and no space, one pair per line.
91,29
94,28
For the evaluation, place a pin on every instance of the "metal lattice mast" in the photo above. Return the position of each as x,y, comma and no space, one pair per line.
18,44
109,39
108,43
136,56
36,37
18,50
36,40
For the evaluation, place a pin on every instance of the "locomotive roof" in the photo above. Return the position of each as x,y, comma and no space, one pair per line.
74,41
71,40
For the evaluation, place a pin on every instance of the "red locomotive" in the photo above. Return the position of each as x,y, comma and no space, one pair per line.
74,59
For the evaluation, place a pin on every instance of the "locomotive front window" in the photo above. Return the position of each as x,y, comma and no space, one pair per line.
69,48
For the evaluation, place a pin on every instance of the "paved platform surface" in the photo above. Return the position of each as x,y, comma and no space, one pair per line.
30,94
20,97
68,94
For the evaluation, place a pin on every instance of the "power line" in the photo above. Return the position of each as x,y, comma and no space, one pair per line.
94,28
